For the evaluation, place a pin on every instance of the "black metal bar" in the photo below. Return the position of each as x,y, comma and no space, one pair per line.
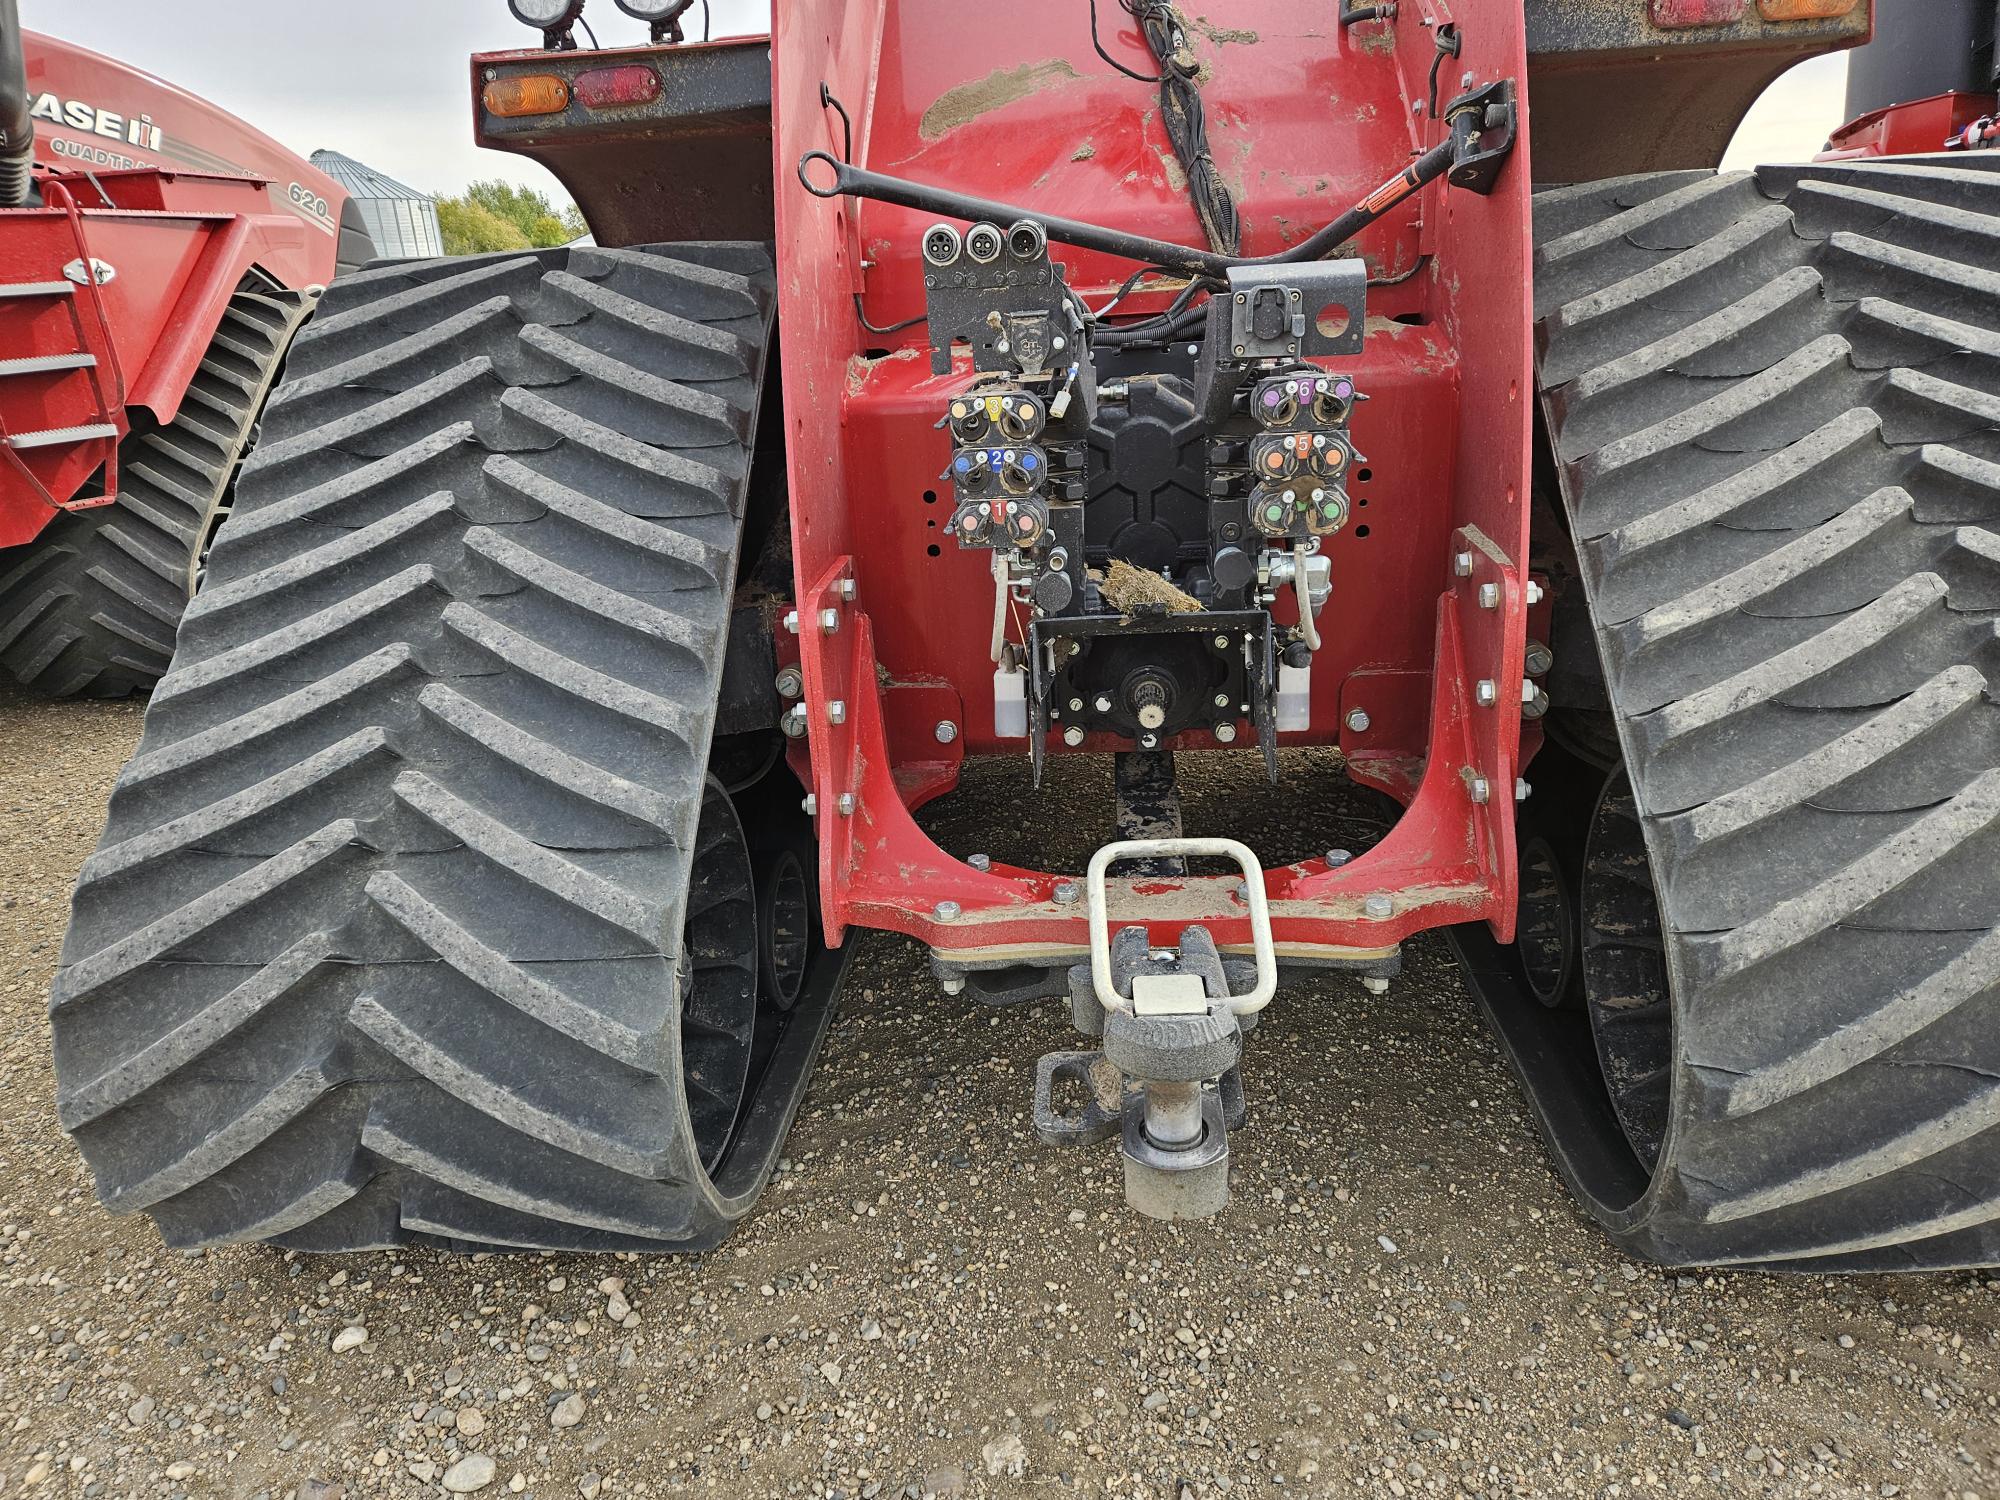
17,126
858,182
1149,807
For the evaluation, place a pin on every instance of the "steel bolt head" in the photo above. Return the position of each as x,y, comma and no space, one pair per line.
980,862
1225,732
1522,791
1338,857
945,732
1222,643
846,589
793,721
1066,893
1358,720
792,621
1481,789
1103,703
1489,596
1375,984
1076,705
847,804
1073,735
810,807
1222,700
829,621
947,911
791,682
1539,659
1485,692
1461,564
1381,908
1536,593
836,712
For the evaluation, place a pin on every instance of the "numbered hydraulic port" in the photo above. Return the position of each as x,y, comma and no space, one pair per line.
983,242
1331,399
1021,470
1026,239
1278,456
971,470
1329,454
1020,416
1027,520
1275,401
941,244
1325,510
1273,509
972,524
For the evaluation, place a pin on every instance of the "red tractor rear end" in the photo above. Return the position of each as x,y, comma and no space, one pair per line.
594,623
158,257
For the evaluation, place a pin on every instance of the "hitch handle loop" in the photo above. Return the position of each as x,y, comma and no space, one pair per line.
1265,949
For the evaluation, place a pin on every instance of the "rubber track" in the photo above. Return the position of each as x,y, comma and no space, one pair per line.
380,943
1775,399
92,604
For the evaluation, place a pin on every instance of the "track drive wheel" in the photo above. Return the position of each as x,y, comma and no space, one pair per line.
90,606
421,914
1774,400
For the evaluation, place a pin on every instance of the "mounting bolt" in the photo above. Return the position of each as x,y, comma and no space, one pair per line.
980,862
1066,893
1380,907
1489,596
792,621
1225,732
947,911
1338,857
1222,700
1481,789
810,807
836,712
1076,705
1222,643
1375,984
1528,690
1485,692
1358,720
1539,659
793,722
847,804
1102,705
1536,593
1461,564
1241,892
1522,791
955,985
845,588
829,621
945,732
1073,735
791,682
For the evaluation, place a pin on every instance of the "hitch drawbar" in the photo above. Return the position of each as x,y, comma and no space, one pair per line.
1166,1078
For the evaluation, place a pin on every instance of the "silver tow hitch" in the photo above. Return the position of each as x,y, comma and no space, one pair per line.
1166,1078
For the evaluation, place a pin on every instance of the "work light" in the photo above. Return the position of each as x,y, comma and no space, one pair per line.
554,18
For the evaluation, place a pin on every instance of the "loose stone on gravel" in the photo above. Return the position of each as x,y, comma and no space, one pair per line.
469,1475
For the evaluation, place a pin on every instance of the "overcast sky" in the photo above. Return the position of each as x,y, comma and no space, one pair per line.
386,80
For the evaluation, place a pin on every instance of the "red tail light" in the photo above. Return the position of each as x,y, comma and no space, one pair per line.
609,88
1672,14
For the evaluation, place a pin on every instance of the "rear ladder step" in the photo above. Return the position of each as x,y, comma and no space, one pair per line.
38,364
54,437
37,288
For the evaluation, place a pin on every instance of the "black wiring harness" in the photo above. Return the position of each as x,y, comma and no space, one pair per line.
1181,113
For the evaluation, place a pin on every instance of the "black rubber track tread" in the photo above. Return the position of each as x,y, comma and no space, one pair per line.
1775,402
380,943
90,606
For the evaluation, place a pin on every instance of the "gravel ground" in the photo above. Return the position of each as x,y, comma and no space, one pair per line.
1398,1301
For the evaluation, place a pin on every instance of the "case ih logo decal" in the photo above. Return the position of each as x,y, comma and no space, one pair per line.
91,120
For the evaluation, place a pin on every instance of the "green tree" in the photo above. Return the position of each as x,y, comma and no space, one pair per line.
540,220
472,229
497,215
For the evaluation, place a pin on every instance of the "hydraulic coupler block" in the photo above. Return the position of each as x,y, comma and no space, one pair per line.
1001,499
1300,460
